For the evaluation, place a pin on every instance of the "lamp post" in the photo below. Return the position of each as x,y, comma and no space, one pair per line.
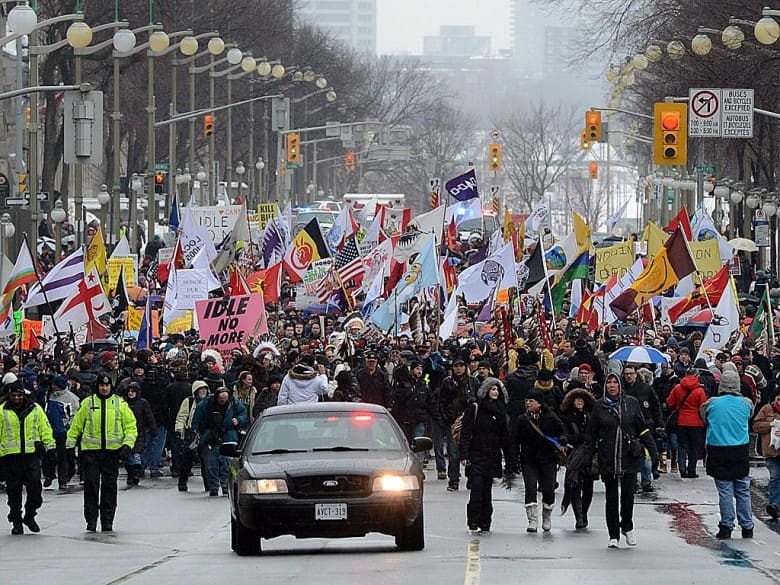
182,181
58,215
259,187
240,170
770,210
104,198
136,188
201,175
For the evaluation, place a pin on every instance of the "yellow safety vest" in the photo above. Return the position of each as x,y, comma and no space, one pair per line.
103,424
20,435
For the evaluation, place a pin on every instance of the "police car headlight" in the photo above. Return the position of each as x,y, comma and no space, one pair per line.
396,483
262,486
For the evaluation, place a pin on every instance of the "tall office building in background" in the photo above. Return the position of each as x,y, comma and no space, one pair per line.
351,21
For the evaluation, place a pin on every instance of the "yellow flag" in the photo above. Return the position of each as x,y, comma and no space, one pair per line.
655,238
581,232
509,225
97,257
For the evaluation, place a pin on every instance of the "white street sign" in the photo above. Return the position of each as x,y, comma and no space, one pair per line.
704,112
737,113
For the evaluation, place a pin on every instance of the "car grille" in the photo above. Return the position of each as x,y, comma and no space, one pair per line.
319,486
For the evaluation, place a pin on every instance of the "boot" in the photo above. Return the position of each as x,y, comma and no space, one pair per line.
674,468
547,517
532,511
138,473
662,463
579,518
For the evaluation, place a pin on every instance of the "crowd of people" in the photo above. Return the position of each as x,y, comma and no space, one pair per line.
517,412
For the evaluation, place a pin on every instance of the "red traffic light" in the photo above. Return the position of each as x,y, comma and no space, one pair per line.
670,120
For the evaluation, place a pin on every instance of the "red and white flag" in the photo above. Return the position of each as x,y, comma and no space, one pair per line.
85,304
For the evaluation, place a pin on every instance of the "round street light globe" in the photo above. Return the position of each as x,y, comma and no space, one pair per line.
240,168
103,197
234,56
79,35
201,175
733,37
736,197
260,164
321,83
766,31
640,61
308,76
770,208
675,49
752,201
264,68
58,213
701,45
124,40
248,64
216,46
610,75
188,46
159,41
654,53
277,71
22,19
720,191
297,76
331,96
708,187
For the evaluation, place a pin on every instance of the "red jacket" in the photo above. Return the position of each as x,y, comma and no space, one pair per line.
689,412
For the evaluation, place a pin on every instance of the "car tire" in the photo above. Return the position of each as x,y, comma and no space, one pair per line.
243,541
412,537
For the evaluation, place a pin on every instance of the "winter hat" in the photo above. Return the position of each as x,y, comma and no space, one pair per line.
585,368
729,383
198,384
484,364
104,380
10,378
60,382
107,357
545,376
535,394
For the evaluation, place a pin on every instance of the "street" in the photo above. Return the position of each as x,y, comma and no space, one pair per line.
163,536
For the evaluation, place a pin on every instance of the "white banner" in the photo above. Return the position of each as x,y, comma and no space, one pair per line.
191,286
217,220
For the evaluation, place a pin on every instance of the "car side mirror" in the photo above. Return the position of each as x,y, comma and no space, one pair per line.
229,449
421,444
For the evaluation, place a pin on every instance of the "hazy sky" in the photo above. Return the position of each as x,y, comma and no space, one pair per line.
402,24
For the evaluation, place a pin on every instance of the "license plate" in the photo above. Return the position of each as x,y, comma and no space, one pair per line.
330,511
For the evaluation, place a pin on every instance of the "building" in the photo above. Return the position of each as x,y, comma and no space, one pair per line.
456,42
351,21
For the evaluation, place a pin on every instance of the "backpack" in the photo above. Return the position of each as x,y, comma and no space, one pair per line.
58,417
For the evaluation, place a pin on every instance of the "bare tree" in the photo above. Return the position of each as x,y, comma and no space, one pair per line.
585,196
539,144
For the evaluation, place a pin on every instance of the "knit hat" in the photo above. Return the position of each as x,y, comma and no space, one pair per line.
585,368
535,394
484,364
729,383
60,382
545,376
107,357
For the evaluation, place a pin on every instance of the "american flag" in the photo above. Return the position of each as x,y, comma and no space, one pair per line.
349,265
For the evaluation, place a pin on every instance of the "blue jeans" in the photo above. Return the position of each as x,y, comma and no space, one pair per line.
646,471
216,466
728,491
442,440
412,430
773,465
153,448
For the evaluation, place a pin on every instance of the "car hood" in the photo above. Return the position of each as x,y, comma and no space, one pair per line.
319,463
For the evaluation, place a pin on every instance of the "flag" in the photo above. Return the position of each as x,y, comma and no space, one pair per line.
763,322
348,264
430,222
464,211
237,283
582,232
145,332
176,261
708,293
266,282
477,282
532,270
725,321
616,217
307,246
23,273
59,281
229,246
682,221
577,269
655,238
273,243
373,235
343,227
85,304
394,220
171,310
672,263
463,187
174,218
614,286
121,299
538,219
96,257
122,249
703,228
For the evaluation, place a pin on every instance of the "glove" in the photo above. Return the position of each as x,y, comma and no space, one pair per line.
124,452
40,450
660,433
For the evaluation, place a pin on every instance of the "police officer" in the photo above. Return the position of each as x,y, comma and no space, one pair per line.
25,435
106,427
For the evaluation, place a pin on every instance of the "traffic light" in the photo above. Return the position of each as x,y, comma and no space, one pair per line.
22,183
494,156
593,130
584,142
593,170
159,183
349,160
28,116
208,125
670,134
293,148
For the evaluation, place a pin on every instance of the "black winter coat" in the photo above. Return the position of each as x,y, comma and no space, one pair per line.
484,438
610,431
455,395
648,402
144,421
374,388
528,446
413,402
518,383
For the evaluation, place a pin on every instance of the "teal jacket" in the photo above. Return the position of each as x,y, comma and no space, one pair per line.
727,418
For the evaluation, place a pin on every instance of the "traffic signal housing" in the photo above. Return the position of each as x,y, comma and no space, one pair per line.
208,125
594,132
670,133
593,170
293,148
495,156
349,160
22,183
159,183
585,144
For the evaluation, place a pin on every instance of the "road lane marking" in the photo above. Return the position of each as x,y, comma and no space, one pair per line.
472,564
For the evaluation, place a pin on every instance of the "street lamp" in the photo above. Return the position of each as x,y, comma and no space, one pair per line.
766,30
260,187
201,175
22,19
58,215
240,170
104,198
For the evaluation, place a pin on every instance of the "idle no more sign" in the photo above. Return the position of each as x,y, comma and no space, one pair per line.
226,322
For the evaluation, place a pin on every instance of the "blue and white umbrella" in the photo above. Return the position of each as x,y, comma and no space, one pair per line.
641,354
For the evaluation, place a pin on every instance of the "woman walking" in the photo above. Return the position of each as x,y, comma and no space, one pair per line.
245,392
578,485
533,437
618,433
483,440
686,399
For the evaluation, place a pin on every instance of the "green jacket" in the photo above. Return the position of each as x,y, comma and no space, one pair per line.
103,424
20,431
